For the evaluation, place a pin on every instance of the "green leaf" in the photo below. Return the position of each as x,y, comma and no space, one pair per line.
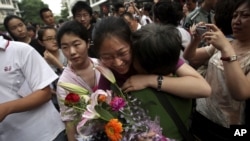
73,88
104,114
117,90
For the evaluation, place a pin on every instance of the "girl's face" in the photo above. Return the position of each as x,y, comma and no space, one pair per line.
241,22
49,40
75,49
17,28
115,54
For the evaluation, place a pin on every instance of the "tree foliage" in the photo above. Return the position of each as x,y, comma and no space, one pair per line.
64,11
30,10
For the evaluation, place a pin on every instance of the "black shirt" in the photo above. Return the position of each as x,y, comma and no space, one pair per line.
37,46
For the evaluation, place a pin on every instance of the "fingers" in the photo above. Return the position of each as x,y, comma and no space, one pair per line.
192,29
213,27
129,89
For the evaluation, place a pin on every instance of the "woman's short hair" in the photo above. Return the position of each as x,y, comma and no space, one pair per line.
223,17
72,27
157,48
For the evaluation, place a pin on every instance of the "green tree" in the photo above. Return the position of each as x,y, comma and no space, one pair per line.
30,10
64,11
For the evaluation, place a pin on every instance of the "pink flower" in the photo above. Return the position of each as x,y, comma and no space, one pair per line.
117,103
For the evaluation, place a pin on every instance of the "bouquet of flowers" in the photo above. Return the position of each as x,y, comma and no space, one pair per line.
110,115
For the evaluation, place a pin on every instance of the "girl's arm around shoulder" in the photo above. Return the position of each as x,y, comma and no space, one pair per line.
188,83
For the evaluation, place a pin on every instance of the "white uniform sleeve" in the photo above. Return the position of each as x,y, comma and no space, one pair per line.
36,71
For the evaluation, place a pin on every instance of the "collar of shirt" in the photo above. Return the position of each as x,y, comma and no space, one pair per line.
3,43
204,12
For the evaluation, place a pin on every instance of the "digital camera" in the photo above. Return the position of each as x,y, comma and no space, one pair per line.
201,29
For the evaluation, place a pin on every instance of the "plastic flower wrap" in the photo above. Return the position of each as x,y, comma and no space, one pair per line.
110,115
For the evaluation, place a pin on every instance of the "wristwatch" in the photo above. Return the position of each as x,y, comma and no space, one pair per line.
230,58
159,82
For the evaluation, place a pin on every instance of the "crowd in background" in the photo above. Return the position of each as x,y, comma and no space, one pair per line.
195,53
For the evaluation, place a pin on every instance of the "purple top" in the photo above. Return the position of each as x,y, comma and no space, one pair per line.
121,78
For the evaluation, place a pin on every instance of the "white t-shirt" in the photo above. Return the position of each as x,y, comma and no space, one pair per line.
185,38
145,20
22,67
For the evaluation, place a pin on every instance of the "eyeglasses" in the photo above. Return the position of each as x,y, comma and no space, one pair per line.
50,39
109,58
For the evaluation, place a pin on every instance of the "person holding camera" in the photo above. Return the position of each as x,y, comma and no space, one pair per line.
228,73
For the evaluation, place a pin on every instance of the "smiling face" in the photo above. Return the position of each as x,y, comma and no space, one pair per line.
241,22
115,54
17,28
75,49
49,40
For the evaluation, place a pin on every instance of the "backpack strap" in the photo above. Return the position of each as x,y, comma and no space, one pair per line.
175,117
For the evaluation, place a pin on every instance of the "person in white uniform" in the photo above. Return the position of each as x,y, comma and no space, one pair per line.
27,114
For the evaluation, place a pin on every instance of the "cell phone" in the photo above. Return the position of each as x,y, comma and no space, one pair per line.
201,29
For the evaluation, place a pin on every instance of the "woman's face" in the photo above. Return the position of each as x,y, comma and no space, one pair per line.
115,54
49,40
185,9
17,28
75,49
241,22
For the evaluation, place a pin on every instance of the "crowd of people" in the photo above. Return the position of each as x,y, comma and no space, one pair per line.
156,52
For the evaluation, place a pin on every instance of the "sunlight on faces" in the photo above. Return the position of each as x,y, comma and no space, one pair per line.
18,28
75,49
241,22
115,54
49,40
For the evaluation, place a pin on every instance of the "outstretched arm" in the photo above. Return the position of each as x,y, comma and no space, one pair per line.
237,82
195,56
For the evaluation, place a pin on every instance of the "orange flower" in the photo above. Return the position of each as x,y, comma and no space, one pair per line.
113,130
102,98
